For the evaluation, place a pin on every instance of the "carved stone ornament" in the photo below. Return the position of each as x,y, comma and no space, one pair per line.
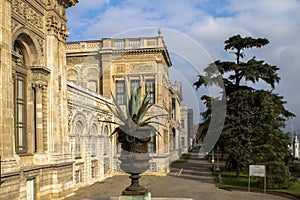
65,3
27,13
52,24
71,3
41,44
14,24
57,27
70,117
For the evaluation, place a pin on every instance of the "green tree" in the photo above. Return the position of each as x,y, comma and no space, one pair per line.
244,123
270,143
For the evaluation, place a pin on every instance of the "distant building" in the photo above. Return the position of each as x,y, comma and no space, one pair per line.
191,129
176,98
186,127
296,147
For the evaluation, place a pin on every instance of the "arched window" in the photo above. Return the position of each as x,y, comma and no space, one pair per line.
93,140
78,132
20,76
92,85
90,77
72,75
106,140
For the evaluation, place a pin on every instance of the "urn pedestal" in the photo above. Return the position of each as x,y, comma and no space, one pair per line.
134,164
134,161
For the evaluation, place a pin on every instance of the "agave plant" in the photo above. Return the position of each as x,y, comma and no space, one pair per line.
134,117
134,132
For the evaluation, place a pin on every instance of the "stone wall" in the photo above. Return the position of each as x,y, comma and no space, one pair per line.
33,99
91,147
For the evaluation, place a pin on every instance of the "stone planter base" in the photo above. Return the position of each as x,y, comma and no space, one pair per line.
146,196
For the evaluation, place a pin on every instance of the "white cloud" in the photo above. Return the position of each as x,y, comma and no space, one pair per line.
133,14
210,23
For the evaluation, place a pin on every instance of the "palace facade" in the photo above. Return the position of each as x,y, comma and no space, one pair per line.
53,98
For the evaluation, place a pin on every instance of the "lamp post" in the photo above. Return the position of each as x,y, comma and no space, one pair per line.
213,158
218,167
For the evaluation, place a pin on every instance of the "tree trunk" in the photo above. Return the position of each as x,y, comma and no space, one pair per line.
238,169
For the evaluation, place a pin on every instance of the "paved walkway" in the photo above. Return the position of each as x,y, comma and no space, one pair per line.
186,180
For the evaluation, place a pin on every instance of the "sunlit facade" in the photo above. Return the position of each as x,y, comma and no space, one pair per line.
53,98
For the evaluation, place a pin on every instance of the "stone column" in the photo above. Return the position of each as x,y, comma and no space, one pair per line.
40,81
38,88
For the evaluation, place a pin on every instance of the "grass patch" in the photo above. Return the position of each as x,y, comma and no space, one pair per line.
184,158
294,189
231,182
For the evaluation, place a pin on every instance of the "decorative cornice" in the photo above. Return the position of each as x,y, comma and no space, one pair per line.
40,76
40,69
162,50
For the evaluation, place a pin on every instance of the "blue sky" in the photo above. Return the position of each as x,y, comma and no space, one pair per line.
204,25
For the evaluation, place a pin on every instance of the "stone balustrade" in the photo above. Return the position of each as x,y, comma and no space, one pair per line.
116,44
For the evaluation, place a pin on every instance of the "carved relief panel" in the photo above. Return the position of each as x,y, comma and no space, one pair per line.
28,13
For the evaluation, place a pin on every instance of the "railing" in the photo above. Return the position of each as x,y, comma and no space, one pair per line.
84,46
108,43
119,44
132,43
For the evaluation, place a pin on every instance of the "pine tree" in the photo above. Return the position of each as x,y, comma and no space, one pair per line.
253,116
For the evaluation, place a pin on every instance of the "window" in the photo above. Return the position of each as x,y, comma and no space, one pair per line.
20,113
152,145
77,147
182,123
118,146
20,97
120,92
78,131
135,84
106,165
173,139
173,108
182,141
93,172
30,189
77,176
150,89
105,141
92,85
93,140
152,167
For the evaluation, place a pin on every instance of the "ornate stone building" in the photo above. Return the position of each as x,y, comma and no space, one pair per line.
36,158
114,66
52,136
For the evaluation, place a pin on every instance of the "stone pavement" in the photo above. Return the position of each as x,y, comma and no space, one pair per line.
191,180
